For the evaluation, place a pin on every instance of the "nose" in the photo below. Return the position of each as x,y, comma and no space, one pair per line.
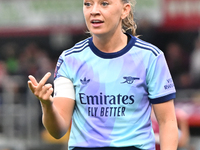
95,10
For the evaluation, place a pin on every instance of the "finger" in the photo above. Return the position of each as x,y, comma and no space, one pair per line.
44,90
44,79
31,86
33,80
48,94
48,85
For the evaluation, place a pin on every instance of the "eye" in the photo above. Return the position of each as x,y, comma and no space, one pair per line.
87,4
105,3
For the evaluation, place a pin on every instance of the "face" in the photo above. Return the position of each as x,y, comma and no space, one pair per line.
104,16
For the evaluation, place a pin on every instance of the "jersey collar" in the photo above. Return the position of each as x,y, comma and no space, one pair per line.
104,55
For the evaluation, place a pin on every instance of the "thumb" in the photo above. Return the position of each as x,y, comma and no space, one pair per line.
33,80
31,86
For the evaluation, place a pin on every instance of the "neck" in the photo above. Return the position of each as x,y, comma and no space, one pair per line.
110,44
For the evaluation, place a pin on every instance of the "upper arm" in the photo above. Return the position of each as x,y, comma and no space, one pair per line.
65,107
165,111
64,98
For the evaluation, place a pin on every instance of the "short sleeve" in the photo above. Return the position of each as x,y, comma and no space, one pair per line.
61,68
63,86
159,81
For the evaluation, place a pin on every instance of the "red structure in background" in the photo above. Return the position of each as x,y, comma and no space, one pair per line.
181,14
42,31
192,110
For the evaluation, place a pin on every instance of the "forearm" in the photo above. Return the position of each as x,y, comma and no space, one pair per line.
184,135
57,112
168,136
53,121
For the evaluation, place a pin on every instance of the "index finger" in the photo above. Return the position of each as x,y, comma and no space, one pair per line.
44,79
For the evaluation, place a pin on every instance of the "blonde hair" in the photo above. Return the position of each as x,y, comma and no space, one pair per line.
128,23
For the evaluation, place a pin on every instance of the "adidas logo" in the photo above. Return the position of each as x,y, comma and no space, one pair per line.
85,81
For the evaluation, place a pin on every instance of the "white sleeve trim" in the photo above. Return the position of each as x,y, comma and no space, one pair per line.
63,87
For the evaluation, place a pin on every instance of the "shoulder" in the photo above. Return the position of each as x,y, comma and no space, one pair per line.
77,48
147,47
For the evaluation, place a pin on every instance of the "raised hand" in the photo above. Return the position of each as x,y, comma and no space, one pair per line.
41,90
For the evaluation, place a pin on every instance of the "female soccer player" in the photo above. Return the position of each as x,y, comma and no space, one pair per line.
107,84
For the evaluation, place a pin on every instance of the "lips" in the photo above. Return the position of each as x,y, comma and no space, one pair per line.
96,21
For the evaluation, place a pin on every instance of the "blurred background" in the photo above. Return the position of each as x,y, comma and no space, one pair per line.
33,33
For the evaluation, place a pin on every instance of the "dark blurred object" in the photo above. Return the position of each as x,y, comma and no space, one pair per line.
178,63
195,64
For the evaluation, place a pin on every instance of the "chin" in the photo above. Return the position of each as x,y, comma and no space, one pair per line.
98,33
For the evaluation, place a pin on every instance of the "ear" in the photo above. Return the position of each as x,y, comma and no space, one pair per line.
126,10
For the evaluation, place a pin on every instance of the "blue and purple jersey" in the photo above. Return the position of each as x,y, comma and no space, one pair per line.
114,93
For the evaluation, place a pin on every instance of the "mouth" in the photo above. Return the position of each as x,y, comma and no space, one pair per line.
96,21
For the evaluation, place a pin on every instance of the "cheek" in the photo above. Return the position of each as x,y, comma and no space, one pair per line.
116,17
86,12
86,17
117,13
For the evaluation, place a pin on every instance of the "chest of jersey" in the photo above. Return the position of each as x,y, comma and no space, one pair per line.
108,87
